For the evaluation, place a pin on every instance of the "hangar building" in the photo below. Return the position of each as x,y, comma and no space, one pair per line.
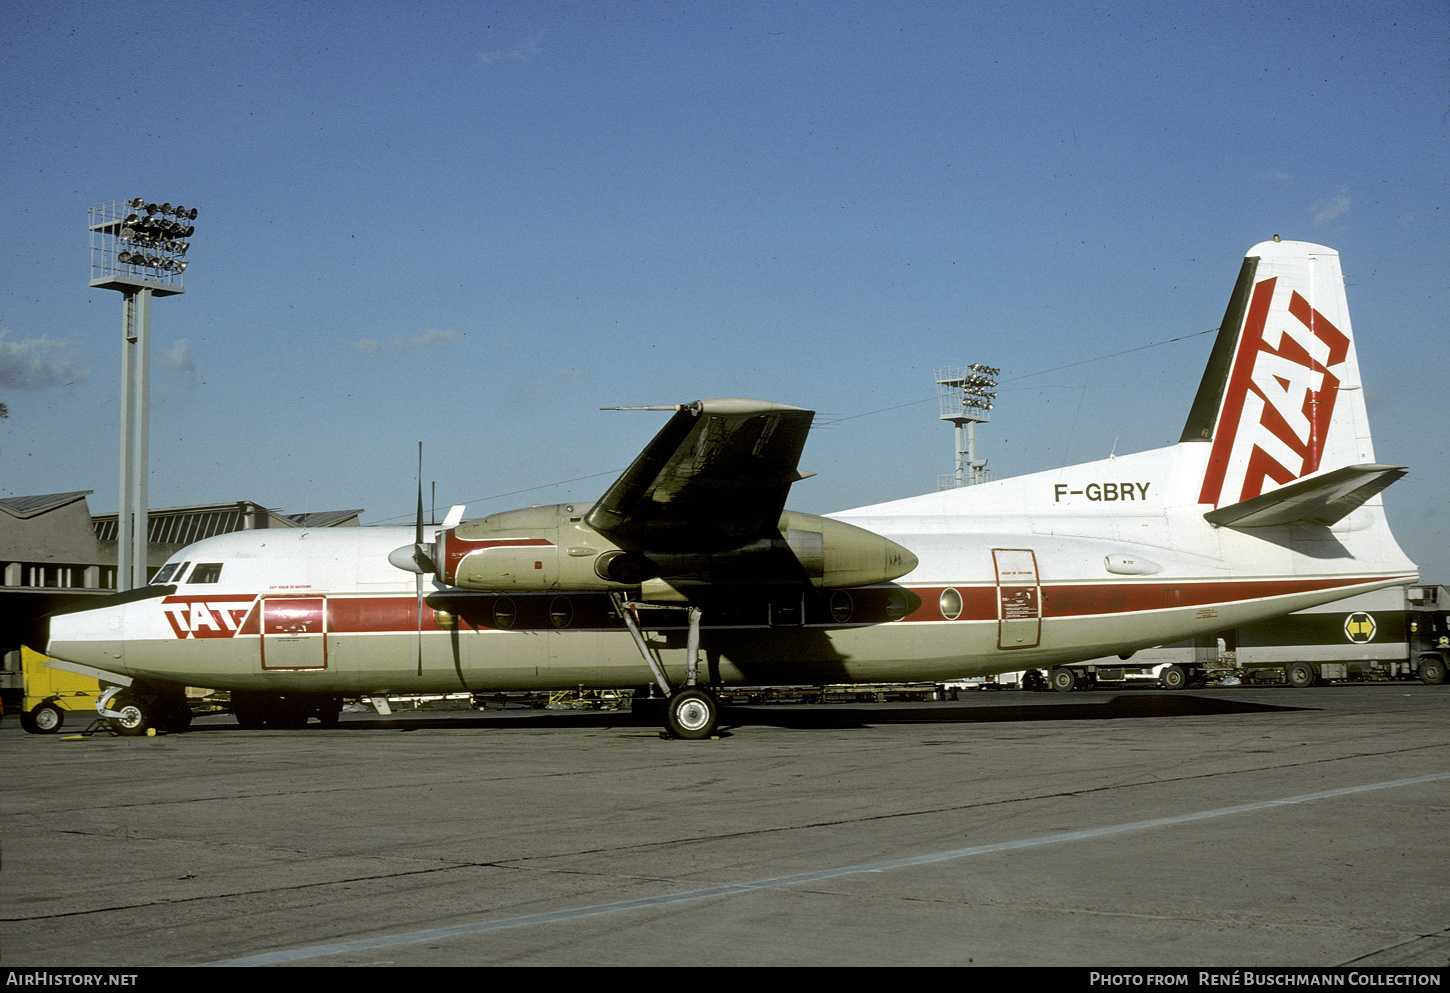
55,552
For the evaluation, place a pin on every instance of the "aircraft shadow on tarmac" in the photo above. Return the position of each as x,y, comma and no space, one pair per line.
1137,705
821,716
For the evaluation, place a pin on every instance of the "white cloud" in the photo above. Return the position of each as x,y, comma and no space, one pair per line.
32,364
179,360
1331,210
429,338
522,52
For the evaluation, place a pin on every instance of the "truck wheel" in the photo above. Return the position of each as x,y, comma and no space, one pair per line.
1300,675
1063,680
1432,671
47,718
1173,677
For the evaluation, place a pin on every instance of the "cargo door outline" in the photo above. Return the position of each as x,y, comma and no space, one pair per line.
294,633
1019,598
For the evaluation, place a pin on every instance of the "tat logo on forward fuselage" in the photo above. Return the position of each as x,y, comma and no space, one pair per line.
1279,404
207,616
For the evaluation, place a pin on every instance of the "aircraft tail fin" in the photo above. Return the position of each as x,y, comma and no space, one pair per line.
1281,399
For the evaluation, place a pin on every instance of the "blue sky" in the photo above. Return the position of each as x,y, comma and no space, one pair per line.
476,224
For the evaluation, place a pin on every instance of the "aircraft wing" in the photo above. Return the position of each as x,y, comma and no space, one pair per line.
1325,499
714,478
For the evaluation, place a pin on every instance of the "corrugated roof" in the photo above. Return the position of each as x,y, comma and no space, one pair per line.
30,506
323,518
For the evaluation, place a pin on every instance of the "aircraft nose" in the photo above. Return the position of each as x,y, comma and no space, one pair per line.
90,635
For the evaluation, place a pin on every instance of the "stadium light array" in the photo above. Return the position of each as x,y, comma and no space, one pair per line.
138,248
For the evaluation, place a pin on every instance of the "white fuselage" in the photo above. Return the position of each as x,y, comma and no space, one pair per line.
1095,560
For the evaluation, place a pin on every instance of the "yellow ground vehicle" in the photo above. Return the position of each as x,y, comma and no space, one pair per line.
50,694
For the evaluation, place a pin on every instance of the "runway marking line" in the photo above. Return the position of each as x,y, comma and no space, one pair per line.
483,927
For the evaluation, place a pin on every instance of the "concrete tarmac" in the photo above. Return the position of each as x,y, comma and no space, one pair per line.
1226,827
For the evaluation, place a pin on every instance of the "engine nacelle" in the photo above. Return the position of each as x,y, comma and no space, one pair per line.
534,549
542,549
837,555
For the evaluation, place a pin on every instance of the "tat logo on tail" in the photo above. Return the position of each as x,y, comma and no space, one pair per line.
1280,399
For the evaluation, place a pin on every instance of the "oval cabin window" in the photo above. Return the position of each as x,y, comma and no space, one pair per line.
951,604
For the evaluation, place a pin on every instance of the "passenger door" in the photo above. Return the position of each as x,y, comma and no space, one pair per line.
1019,598
294,632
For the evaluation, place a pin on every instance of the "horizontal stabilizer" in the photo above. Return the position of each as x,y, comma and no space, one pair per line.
1325,499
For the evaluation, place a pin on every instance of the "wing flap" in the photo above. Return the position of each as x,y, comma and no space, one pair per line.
1325,499
715,477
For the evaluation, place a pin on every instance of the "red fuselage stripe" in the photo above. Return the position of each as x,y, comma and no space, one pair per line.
399,613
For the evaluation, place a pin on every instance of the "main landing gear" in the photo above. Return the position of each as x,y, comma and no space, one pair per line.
691,711
256,710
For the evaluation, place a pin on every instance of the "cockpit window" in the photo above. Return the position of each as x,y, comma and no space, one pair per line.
206,572
167,571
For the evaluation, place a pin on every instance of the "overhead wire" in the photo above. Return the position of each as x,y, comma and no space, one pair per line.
853,416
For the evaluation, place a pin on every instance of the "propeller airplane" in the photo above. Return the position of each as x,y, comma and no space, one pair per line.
689,573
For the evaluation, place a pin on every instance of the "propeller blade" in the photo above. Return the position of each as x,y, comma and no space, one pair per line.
415,557
418,530
420,624
419,558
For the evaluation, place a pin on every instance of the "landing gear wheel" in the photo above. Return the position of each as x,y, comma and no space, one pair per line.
691,714
1173,677
1432,671
289,712
1300,675
46,718
1062,680
173,716
249,709
135,716
329,711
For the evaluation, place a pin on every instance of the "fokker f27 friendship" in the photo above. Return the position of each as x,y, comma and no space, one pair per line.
689,573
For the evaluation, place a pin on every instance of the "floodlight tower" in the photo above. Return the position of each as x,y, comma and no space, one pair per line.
137,248
966,395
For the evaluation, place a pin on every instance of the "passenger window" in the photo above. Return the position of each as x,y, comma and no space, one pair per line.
206,572
167,571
